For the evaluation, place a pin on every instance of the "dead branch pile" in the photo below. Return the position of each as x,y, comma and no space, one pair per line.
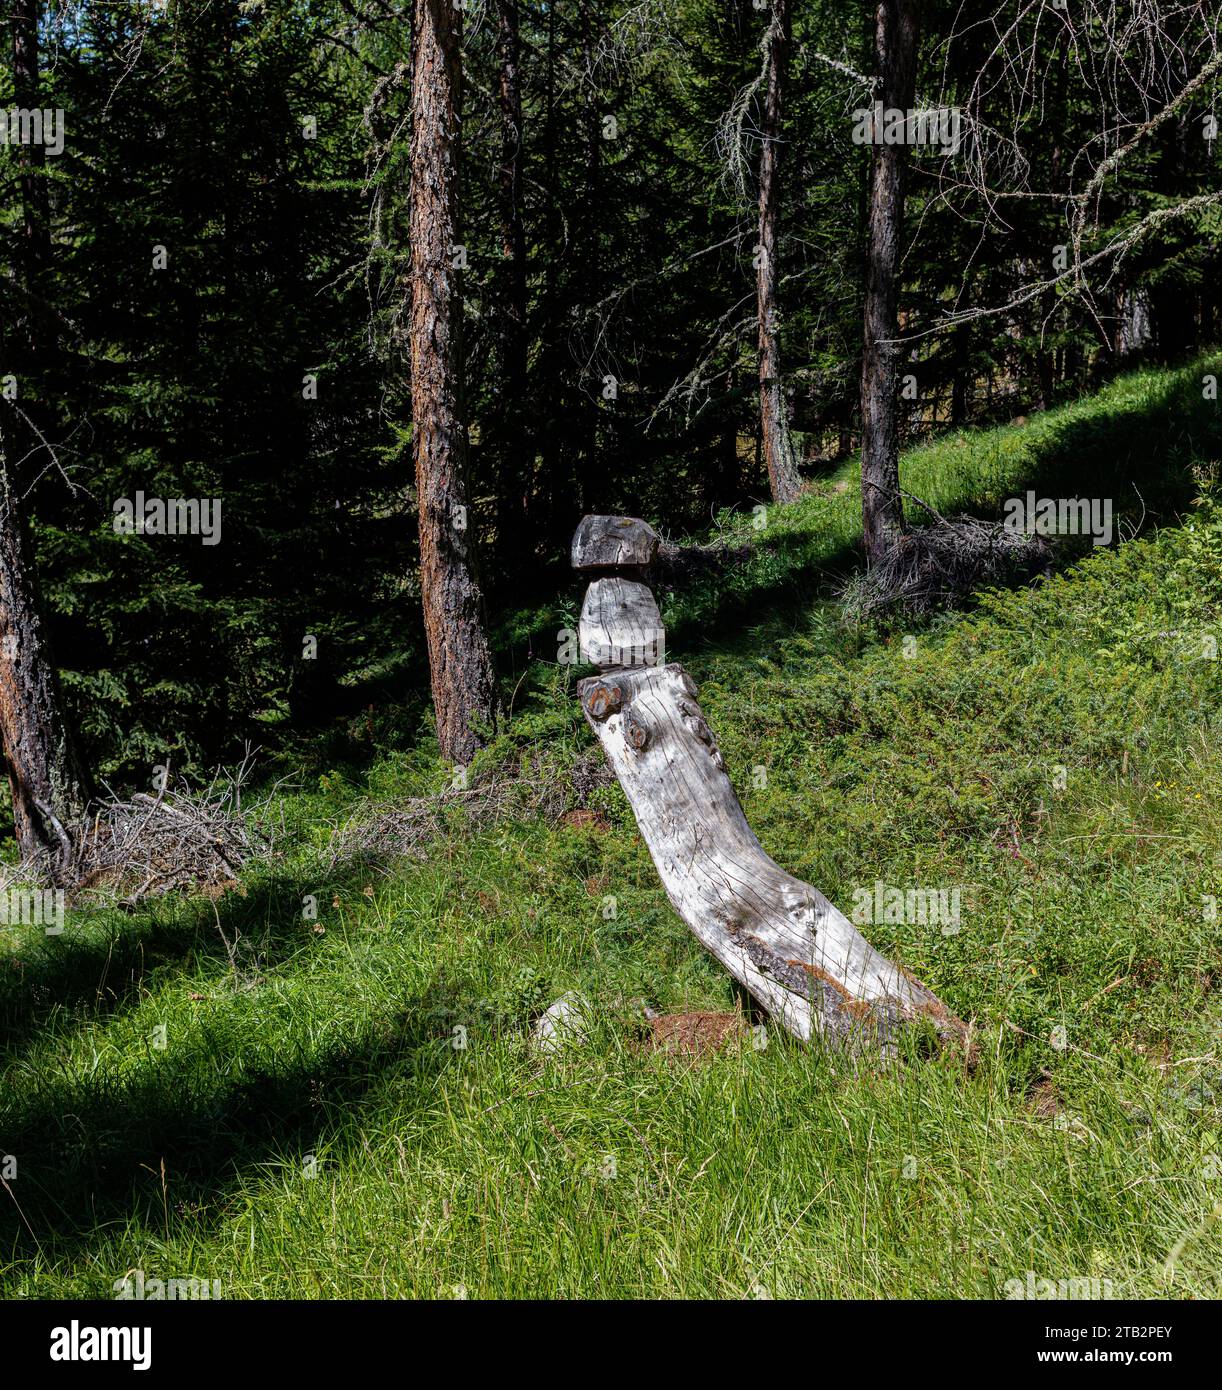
939,565
378,831
147,845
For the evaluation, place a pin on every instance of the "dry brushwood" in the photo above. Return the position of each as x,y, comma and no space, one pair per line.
144,846
379,831
939,565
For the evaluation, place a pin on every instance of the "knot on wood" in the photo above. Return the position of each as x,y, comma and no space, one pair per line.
699,728
602,701
636,735
696,725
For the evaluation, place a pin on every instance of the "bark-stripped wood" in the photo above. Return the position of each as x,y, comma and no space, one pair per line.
614,542
620,625
460,660
796,953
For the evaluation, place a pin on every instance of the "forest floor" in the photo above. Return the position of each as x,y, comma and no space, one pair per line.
228,1089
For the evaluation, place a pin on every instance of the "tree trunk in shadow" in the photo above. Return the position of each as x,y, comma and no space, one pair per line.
460,660
515,452
783,477
896,34
49,788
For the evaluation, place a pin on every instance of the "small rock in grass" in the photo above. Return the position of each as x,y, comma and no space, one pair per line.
561,1022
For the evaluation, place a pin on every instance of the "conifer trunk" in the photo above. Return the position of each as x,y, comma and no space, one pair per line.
460,661
774,425
49,790
514,454
896,32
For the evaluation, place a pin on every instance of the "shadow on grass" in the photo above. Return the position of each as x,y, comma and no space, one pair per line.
104,960
164,1149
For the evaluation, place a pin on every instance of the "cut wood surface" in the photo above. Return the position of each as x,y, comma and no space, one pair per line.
620,625
613,542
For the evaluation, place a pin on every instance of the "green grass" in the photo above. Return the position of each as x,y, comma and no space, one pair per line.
309,1127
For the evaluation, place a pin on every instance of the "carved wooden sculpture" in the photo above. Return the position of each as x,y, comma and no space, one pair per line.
801,958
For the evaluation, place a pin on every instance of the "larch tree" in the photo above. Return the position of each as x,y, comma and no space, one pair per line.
49,790
783,479
460,659
896,33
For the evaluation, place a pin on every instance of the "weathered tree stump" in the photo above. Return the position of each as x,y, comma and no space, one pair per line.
800,957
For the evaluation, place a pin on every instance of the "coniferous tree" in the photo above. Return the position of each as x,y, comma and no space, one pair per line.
49,791
774,420
896,34
460,661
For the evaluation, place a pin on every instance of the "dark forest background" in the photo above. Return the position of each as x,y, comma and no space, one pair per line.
265,147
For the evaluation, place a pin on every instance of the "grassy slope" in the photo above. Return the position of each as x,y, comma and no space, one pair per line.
610,1171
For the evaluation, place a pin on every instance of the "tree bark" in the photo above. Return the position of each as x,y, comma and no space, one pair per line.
590,464
514,454
49,790
783,477
460,660
896,33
